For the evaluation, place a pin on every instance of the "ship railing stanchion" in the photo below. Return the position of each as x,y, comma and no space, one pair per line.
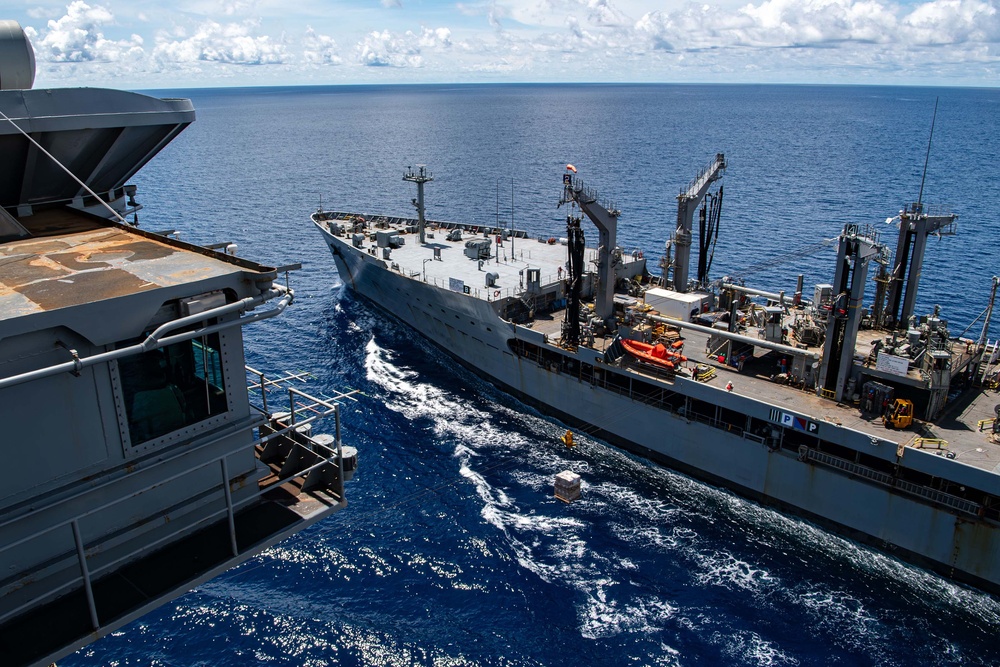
85,571
229,506
263,393
340,452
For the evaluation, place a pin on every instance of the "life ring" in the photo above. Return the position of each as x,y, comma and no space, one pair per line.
496,294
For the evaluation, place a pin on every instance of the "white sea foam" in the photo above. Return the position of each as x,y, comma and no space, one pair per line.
634,504
837,610
601,616
406,394
542,524
775,530
550,545
721,568
748,647
454,417
555,548
490,495
651,536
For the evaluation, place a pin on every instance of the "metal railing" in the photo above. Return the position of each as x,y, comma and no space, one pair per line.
934,495
382,221
806,453
940,497
809,454
717,164
484,293
925,443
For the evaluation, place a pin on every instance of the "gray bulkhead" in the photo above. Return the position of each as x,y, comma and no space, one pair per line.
83,453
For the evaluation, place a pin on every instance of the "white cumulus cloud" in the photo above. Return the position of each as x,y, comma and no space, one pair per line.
237,8
822,23
954,22
435,38
813,22
77,37
388,49
602,12
320,49
892,41
231,43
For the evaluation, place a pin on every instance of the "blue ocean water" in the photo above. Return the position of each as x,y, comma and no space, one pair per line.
452,551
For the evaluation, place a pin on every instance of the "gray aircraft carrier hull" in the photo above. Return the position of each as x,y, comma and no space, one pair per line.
914,525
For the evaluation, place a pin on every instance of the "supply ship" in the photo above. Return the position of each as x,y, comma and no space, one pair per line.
869,419
145,457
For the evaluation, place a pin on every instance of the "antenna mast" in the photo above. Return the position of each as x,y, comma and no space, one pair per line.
419,177
927,158
512,219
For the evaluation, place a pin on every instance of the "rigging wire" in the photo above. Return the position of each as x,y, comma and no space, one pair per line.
785,258
973,322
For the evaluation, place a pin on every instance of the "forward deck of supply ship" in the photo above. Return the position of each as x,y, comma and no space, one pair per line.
958,426
510,259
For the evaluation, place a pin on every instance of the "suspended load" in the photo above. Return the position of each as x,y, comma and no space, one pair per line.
567,486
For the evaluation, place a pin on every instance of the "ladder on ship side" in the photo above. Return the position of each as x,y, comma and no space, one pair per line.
529,304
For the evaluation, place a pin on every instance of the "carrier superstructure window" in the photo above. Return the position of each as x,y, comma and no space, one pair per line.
172,387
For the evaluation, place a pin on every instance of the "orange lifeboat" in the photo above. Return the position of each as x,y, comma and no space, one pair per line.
658,355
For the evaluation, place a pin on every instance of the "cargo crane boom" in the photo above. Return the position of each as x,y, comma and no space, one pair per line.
606,220
687,204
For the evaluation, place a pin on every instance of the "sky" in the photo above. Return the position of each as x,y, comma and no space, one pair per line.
145,44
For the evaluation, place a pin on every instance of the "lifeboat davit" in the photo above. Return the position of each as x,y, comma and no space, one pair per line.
658,355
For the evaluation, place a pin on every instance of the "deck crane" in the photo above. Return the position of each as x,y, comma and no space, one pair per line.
606,220
900,291
858,246
687,203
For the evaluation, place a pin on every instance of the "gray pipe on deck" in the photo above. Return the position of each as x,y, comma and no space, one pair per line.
779,297
739,338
